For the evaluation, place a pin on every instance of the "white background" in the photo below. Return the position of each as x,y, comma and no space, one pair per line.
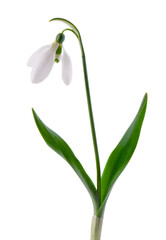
125,45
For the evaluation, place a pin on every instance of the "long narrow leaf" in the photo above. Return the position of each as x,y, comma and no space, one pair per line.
121,155
55,142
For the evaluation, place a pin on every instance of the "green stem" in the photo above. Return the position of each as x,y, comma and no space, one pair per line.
68,29
96,227
77,34
91,122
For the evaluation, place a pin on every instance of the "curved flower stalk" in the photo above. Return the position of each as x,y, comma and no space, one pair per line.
43,59
42,62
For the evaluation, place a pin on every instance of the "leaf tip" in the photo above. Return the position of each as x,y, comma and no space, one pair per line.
33,111
34,114
146,96
145,99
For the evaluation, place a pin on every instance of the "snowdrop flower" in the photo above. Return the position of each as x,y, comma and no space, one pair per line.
43,59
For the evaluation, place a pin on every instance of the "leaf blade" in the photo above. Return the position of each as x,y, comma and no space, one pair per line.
55,142
121,155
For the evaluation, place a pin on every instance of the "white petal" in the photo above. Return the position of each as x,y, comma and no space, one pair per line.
32,59
59,57
66,68
43,65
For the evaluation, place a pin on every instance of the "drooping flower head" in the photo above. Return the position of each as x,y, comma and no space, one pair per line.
43,59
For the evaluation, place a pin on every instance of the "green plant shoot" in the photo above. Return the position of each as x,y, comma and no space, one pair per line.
42,62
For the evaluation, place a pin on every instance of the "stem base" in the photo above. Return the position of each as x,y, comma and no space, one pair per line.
96,227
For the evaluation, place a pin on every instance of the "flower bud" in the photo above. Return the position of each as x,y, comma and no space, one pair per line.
60,38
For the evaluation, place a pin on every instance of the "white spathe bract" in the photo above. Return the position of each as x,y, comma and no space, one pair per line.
42,62
66,68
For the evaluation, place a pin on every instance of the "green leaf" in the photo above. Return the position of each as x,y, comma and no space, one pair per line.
61,147
121,155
